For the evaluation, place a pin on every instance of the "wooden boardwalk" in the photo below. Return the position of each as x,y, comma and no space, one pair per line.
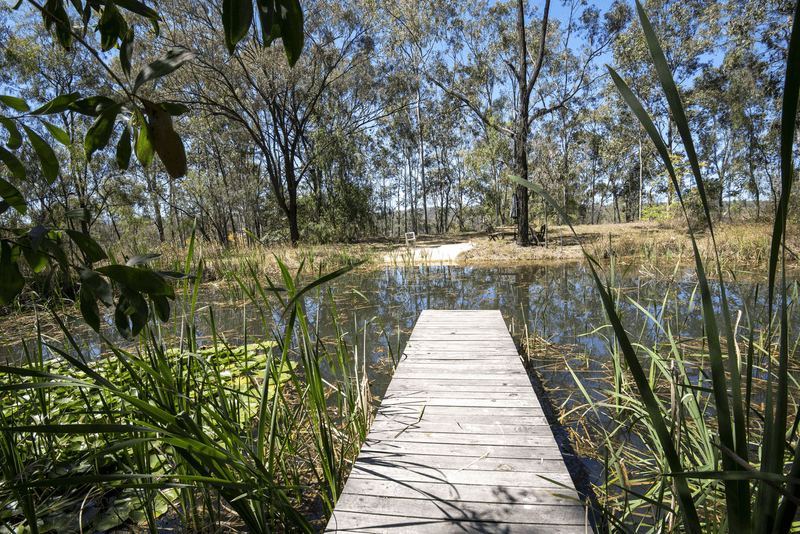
460,443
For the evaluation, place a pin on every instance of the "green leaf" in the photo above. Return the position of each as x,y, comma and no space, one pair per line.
89,309
121,320
161,307
164,65
109,27
14,137
57,133
237,16
79,214
100,132
137,309
100,288
174,275
144,141
92,106
137,279
140,259
11,281
54,249
36,261
140,9
173,108
56,15
289,16
11,194
12,163
15,103
126,51
266,14
88,246
45,153
166,140
37,234
123,155
57,105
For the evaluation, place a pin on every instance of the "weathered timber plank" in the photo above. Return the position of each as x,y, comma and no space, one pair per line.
358,523
454,427
460,401
457,492
463,463
455,476
449,449
459,443
459,411
461,511
513,440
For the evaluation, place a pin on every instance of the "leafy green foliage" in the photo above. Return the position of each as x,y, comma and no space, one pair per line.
149,131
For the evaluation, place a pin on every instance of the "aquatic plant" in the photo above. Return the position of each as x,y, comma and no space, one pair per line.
714,469
93,443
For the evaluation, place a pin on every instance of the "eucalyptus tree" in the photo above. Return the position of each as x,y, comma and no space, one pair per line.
411,35
483,48
256,90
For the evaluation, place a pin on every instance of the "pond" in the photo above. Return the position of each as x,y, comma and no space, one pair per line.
557,301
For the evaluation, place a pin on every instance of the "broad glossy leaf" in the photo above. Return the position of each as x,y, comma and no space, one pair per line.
46,155
88,246
137,279
54,249
237,16
92,106
11,194
79,214
161,307
13,164
57,105
121,320
139,8
55,16
123,155
100,288
126,51
58,134
15,103
36,261
89,309
14,137
100,132
164,65
266,15
137,310
109,26
289,16
144,141
166,140
11,281
140,259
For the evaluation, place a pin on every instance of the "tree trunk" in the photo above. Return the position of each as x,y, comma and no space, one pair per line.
521,135
422,161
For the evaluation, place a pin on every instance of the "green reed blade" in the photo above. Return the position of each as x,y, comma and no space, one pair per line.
651,403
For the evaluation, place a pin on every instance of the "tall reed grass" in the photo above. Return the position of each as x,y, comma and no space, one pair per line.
220,436
713,459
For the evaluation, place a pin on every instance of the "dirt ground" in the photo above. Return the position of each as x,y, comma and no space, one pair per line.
739,246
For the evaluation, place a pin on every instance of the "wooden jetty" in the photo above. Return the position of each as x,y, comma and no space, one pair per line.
460,443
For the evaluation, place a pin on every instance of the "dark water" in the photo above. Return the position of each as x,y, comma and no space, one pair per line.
558,301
